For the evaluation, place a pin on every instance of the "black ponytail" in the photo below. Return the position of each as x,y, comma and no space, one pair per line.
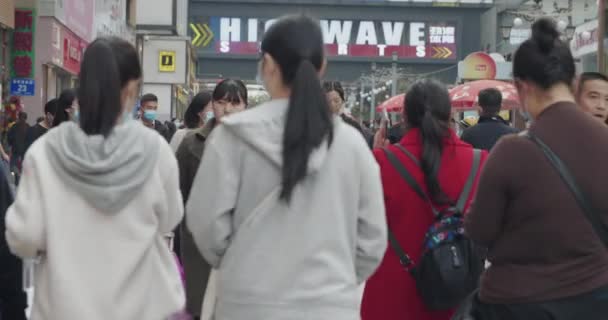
428,109
108,65
308,123
296,44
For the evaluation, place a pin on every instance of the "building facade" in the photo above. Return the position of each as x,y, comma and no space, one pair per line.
422,36
7,23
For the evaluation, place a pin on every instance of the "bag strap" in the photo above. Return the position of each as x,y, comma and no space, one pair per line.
468,186
590,213
396,163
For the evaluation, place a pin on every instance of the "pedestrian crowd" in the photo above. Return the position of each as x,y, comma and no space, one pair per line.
293,209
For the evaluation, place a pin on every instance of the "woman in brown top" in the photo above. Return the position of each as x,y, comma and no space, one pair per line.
546,260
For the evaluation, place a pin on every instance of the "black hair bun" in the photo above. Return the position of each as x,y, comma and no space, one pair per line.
545,34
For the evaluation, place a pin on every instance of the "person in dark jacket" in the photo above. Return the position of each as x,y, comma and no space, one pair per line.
37,131
229,96
592,94
547,261
148,112
65,108
13,300
17,140
490,126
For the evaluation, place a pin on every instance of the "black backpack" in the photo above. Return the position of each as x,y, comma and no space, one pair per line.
450,266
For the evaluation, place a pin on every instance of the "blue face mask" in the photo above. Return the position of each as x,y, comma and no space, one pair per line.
76,115
150,115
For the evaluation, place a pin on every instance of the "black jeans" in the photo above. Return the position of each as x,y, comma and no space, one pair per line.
589,306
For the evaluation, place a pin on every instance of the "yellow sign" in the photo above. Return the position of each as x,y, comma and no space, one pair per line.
166,61
202,34
442,53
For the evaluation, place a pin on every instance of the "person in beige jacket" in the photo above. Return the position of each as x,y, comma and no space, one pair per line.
95,202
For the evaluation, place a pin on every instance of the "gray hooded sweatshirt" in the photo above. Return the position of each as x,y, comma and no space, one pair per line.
95,210
305,260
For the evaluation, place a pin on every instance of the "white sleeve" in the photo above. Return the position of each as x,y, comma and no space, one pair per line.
25,221
372,233
212,200
173,196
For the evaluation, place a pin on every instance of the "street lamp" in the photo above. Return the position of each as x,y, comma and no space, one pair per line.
570,29
505,30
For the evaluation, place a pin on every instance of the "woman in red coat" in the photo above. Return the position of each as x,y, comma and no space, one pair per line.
446,161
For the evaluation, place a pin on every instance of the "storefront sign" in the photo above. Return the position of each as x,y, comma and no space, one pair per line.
349,38
79,17
73,50
23,87
585,39
166,61
23,44
477,66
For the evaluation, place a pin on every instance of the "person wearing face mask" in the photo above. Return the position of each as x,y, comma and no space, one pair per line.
148,113
592,94
96,199
229,96
287,203
548,260
194,118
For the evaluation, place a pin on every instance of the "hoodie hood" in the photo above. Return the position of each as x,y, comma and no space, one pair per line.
262,128
107,172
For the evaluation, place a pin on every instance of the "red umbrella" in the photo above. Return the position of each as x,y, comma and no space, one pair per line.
465,95
394,104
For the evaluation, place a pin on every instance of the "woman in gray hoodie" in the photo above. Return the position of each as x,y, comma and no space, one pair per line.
96,199
287,202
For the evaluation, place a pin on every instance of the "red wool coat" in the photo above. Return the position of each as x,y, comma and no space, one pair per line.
390,294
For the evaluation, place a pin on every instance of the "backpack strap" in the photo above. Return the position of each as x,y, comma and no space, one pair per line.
396,163
468,186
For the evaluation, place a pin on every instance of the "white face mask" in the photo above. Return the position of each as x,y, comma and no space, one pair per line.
209,115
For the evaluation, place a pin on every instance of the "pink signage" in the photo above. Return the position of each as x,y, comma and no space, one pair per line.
79,16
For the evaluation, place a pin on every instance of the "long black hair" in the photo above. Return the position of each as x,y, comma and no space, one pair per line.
544,59
296,44
64,102
428,108
192,118
107,67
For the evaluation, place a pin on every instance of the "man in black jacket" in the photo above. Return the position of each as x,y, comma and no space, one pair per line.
490,127
147,114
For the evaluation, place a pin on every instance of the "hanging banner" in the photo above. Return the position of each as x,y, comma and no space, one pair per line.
23,55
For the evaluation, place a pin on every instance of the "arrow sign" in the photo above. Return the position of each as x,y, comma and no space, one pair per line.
202,34
442,52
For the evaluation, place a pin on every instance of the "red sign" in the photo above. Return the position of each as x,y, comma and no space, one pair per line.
73,48
23,44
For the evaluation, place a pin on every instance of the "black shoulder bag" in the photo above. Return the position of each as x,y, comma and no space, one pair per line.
450,267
